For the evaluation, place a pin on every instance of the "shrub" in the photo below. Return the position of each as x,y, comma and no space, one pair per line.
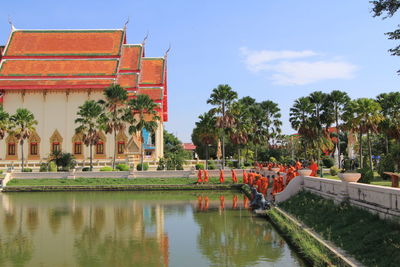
199,166
26,170
161,164
52,166
179,167
328,162
334,170
1,171
145,166
248,164
86,169
122,167
211,165
44,167
64,161
386,164
367,175
106,169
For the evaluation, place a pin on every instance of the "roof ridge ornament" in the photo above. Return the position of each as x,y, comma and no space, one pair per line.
11,23
145,38
126,23
166,52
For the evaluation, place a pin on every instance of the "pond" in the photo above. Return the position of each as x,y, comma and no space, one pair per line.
137,229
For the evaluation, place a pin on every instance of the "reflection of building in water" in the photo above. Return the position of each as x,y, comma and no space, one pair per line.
129,230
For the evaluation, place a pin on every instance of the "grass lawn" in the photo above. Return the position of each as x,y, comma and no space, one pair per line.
110,181
377,179
372,241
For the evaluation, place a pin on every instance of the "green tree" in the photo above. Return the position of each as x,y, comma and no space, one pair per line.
387,8
142,115
22,126
366,114
4,122
390,125
206,131
222,97
89,121
272,119
114,113
174,153
338,100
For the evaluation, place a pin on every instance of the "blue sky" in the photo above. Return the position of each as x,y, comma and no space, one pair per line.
276,50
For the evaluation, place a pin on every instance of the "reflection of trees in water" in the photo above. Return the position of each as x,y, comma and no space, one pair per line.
231,240
55,215
121,217
99,218
9,221
77,219
20,249
32,219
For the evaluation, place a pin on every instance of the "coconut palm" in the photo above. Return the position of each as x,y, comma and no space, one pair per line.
338,100
390,126
142,115
22,126
207,131
272,121
114,110
4,122
89,121
222,97
366,114
300,118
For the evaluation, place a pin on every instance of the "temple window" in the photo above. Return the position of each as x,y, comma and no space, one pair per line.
121,147
34,149
55,147
100,148
78,148
34,141
56,142
11,149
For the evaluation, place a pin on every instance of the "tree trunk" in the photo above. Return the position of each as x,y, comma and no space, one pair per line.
305,151
369,151
239,157
206,156
142,152
387,144
22,154
256,154
223,150
360,150
115,149
338,142
91,156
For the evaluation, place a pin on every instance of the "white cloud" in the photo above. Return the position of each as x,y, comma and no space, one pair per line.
284,68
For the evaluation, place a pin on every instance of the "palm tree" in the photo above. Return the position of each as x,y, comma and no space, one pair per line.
4,122
222,97
390,126
22,126
89,121
258,134
114,112
142,115
206,131
271,121
366,114
300,117
338,100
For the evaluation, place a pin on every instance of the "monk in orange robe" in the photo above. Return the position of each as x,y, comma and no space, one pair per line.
234,177
314,168
258,184
221,176
264,185
199,177
289,176
245,179
299,166
206,177
275,185
280,183
251,178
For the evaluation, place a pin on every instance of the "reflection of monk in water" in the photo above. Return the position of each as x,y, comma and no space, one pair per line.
245,202
234,202
221,202
206,203
199,202
221,176
199,175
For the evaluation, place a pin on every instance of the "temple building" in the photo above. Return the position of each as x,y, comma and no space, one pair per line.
53,72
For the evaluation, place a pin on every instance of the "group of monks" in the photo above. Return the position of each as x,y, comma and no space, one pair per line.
203,202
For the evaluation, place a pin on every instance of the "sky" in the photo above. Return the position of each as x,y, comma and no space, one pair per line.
269,50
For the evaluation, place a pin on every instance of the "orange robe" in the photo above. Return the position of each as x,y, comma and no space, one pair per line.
245,179
245,202
222,202
280,183
206,176
258,184
264,185
234,202
314,168
251,178
234,178
275,186
199,175
206,203
299,166
221,176
199,202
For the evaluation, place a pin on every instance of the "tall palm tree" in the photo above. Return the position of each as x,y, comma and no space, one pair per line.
338,100
366,113
22,126
4,122
390,126
222,97
258,135
142,115
300,118
89,121
272,119
114,106
207,131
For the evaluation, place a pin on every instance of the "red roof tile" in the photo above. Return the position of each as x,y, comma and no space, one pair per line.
131,56
127,80
153,93
56,83
152,71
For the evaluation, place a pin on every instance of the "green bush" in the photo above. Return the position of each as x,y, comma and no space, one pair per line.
386,164
26,170
106,169
44,167
86,169
52,167
199,166
179,167
161,164
145,166
122,167
367,175
334,170
211,165
1,171
328,162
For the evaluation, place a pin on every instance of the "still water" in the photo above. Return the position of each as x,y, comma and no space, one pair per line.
136,229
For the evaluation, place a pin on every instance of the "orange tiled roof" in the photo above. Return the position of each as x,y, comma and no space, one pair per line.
56,83
153,93
64,42
58,67
127,80
152,71
131,56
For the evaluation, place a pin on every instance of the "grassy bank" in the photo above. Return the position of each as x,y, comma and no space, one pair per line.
109,181
307,246
372,241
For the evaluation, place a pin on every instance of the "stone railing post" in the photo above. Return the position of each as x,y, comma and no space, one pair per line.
71,174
